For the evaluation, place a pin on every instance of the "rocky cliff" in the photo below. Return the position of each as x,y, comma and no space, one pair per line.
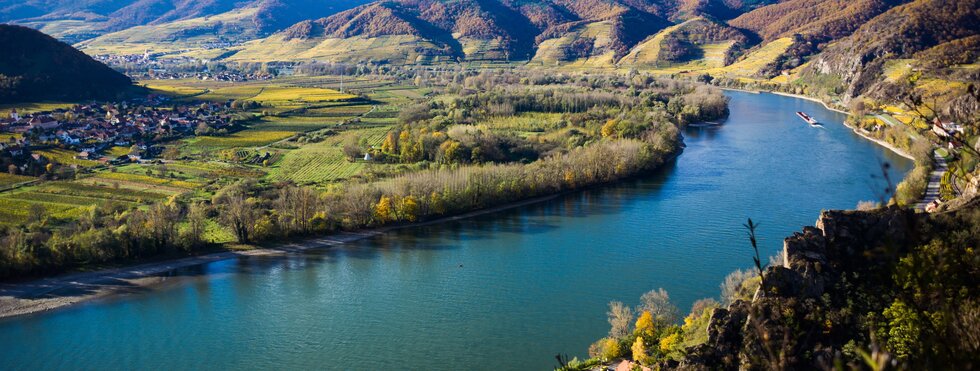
795,320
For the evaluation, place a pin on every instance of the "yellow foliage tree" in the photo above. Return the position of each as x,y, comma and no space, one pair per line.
390,144
644,325
436,203
610,348
668,343
49,167
408,208
609,129
450,151
384,210
640,351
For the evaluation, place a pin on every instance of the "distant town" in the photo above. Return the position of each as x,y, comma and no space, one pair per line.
91,129
151,65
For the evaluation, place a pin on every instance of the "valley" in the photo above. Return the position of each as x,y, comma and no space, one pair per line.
472,184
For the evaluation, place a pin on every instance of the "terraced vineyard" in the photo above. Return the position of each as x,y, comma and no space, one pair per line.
293,124
7,180
67,200
285,95
66,157
561,50
245,138
325,162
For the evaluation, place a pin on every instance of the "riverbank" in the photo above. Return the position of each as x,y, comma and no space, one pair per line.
23,298
812,99
864,134
867,135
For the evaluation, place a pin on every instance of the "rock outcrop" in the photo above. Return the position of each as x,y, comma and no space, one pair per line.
775,329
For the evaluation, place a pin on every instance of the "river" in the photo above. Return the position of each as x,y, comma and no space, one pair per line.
503,291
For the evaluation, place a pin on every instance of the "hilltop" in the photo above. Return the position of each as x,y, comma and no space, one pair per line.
35,66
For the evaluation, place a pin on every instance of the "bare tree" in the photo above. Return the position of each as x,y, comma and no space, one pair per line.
657,302
620,317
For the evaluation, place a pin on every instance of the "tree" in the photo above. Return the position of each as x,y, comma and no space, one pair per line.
384,210
36,213
162,222
352,151
238,211
620,317
657,302
645,326
171,153
390,144
609,128
197,218
606,349
640,351
135,150
408,208
202,129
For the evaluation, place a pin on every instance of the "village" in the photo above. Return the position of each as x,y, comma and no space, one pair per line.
160,66
90,130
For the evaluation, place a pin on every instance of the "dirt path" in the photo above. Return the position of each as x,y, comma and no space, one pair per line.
935,178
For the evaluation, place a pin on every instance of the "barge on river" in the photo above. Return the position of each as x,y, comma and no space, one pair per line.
809,120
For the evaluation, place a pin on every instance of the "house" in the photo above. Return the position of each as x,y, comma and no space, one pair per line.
944,129
43,122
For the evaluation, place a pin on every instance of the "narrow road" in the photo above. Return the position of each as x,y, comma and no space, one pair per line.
935,177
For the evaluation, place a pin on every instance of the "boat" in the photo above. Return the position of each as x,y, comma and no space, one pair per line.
809,120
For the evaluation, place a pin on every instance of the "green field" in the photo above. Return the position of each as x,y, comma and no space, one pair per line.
526,123
7,180
246,138
66,157
67,199
324,161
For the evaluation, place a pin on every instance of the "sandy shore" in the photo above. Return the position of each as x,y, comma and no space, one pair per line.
41,295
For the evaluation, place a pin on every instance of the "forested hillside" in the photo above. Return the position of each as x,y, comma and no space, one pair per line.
858,60
36,67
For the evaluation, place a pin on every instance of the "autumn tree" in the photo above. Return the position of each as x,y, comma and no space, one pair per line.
640,351
238,210
384,210
645,326
408,208
197,219
658,304
620,316
390,144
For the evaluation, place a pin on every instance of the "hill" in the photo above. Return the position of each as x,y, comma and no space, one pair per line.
559,31
79,21
858,61
35,66
702,40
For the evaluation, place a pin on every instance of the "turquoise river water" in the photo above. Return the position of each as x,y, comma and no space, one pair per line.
503,291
